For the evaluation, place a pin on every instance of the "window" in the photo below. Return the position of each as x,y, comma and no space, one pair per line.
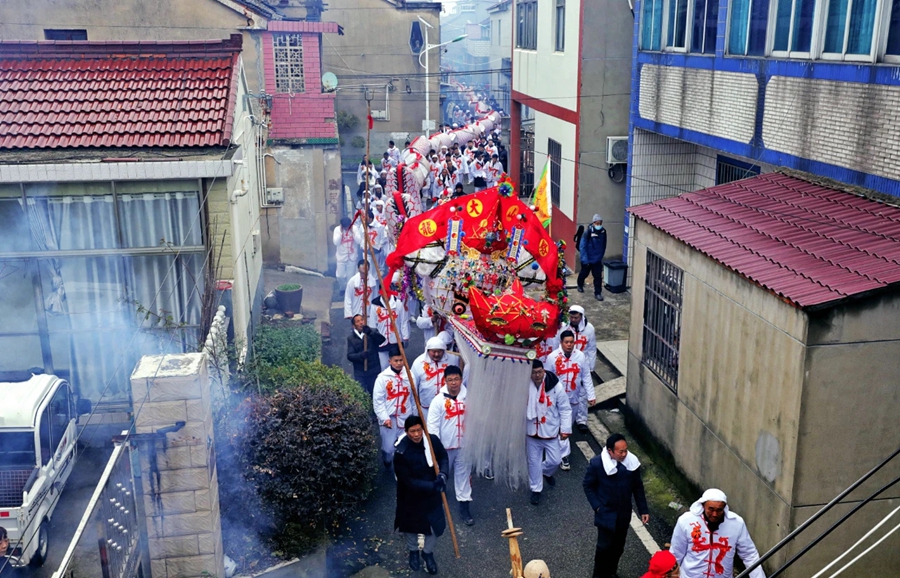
748,25
651,24
662,319
555,151
849,26
728,170
51,34
288,63
793,27
526,24
560,29
676,24
91,264
60,414
705,21
893,40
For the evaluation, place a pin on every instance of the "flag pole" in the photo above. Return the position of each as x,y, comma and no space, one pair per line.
365,221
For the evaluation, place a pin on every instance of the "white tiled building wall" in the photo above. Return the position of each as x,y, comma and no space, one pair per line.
848,124
712,102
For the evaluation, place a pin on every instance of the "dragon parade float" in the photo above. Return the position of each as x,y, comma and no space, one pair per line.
485,263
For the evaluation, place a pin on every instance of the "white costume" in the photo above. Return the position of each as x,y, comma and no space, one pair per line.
493,170
346,253
428,375
574,375
702,553
547,415
585,337
425,323
353,295
380,319
391,400
394,154
446,419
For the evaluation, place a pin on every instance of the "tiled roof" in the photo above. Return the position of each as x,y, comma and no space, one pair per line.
812,245
117,94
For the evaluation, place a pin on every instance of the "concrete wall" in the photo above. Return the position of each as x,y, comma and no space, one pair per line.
376,42
501,47
131,20
299,232
733,423
544,73
181,498
850,403
604,103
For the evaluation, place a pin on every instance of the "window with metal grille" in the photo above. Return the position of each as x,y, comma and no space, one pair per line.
662,319
526,24
728,170
57,34
288,63
560,25
554,149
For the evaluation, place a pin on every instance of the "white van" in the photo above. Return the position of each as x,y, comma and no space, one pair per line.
37,451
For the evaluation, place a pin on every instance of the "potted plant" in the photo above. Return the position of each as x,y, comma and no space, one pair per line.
289,297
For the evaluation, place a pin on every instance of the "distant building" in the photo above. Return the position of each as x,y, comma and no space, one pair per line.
299,157
764,353
571,69
128,195
500,53
379,53
725,90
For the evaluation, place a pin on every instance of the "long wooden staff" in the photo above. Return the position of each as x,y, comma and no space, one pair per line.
385,298
365,221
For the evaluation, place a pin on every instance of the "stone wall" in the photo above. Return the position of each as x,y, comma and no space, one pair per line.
181,489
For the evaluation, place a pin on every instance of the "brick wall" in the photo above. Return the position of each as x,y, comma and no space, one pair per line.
309,114
847,124
713,102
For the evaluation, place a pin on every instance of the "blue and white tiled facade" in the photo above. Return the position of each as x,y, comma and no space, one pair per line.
799,108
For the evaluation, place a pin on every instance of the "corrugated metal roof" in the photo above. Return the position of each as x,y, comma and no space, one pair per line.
810,244
117,94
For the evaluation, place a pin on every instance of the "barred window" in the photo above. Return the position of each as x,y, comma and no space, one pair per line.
288,63
662,319
729,170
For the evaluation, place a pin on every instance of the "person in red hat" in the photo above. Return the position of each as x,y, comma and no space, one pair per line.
662,565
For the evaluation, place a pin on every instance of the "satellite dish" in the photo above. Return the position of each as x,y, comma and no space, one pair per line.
329,82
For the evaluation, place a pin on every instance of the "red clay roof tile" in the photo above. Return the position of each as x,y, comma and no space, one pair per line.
812,245
116,94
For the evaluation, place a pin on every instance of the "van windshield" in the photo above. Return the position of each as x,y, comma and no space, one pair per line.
16,450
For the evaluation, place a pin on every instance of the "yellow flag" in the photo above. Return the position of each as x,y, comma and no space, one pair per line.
541,198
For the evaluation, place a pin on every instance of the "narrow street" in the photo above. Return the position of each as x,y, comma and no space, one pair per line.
559,531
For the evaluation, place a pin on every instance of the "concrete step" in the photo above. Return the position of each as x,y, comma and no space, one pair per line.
610,389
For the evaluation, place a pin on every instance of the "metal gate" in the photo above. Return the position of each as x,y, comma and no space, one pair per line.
526,161
109,540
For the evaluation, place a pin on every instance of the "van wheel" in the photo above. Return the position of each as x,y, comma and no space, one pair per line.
43,544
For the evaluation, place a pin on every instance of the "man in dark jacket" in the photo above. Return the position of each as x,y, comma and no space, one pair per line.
592,248
419,507
612,478
366,364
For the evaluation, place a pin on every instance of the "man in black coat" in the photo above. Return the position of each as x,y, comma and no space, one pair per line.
612,478
366,364
419,506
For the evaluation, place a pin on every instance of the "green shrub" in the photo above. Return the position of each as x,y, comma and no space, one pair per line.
278,345
346,120
357,142
310,454
289,287
297,373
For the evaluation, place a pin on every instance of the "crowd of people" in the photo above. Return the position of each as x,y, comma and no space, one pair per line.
433,394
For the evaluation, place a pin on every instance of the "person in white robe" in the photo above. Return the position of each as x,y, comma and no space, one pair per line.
353,293
380,319
446,420
392,403
570,367
707,537
346,253
548,419
428,372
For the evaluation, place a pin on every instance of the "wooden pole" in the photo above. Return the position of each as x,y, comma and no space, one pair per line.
365,221
385,298
512,534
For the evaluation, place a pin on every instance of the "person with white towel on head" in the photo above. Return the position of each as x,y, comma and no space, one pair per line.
428,372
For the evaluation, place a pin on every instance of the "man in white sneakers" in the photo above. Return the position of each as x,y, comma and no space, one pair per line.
570,367
428,373
447,420
548,419
392,402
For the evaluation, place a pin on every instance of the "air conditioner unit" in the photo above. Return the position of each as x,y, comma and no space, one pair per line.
616,150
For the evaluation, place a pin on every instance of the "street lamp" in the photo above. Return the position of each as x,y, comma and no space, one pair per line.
425,66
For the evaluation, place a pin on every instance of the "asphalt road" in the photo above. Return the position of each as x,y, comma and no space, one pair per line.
69,511
559,531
